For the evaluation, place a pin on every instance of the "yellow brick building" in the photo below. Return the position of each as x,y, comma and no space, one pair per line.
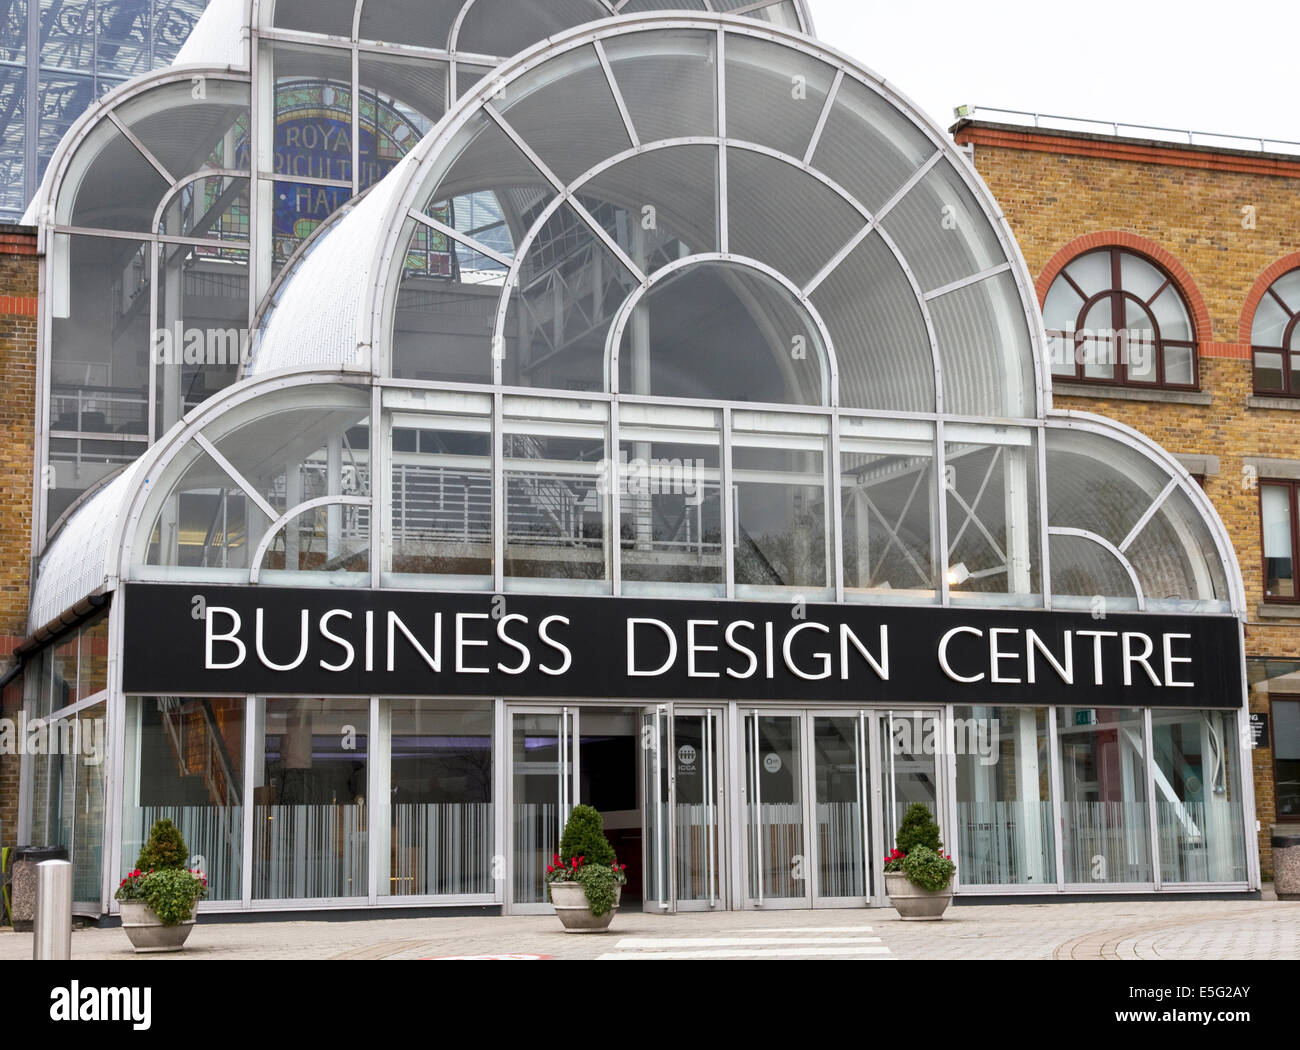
1224,226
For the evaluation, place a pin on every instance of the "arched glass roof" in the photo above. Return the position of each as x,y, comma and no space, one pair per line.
675,239
755,150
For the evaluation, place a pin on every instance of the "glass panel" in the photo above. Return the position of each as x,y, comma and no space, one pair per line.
880,336
868,146
913,742
1176,558
1061,308
569,289
313,138
1180,365
802,234
1099,485
664,203
1286,757
111,185
985,349
441,526
541,755
942,230
1100,353
1084,571
656,790
1171,315
326,546
441,814
91,746
669,82
414,22
309,797
1140,278
1092,272
670,503
329,17
564,109
1004,797
727,333
780,496
99,369
64,657
504,27
774,94
202,337
13,100
1198,796
1271,321
839,752
555,513
185,763
1268,371
887,494
92,673
401,100
1279,572
188,133
1137,345
697,759
1104,813
992,520
775,809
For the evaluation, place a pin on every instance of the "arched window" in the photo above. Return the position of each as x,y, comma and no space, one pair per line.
1275,338
1114,317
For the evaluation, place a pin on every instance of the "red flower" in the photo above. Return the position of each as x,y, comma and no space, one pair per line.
549,868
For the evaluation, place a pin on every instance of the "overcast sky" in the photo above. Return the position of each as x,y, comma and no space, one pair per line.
1217,67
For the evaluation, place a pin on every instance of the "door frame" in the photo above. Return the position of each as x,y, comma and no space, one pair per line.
567,786
665,852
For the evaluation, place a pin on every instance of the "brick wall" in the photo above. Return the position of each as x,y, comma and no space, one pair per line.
1063,193
18,296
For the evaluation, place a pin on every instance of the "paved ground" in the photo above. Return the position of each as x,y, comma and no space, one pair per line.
1154,929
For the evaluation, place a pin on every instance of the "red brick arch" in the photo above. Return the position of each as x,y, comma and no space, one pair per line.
1204,330
1284,265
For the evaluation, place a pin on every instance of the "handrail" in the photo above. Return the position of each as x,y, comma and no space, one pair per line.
1119,128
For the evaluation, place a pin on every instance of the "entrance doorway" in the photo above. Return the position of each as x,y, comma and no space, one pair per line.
816,796
823,792
685,845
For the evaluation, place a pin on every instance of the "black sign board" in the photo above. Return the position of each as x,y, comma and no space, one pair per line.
1259,737
228,640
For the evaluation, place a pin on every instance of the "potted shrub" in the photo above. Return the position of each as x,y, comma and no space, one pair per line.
160,898
918,874
585,880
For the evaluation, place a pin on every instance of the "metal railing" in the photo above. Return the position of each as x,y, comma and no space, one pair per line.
1122,129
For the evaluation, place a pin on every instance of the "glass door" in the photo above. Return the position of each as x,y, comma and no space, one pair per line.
777,850
543,773
910,743
842,797
681,785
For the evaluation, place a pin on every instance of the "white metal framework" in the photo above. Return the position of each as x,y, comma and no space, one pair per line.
677,305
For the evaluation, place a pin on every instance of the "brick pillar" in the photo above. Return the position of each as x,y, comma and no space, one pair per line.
18,318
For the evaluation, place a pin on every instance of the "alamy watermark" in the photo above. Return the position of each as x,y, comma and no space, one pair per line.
1102,348
922,734
633,477
83,737
214,347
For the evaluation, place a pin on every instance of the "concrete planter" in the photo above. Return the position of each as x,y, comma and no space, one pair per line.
575,913
914,904
147,932
1286,864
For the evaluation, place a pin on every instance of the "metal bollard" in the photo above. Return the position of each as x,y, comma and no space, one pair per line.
52,922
